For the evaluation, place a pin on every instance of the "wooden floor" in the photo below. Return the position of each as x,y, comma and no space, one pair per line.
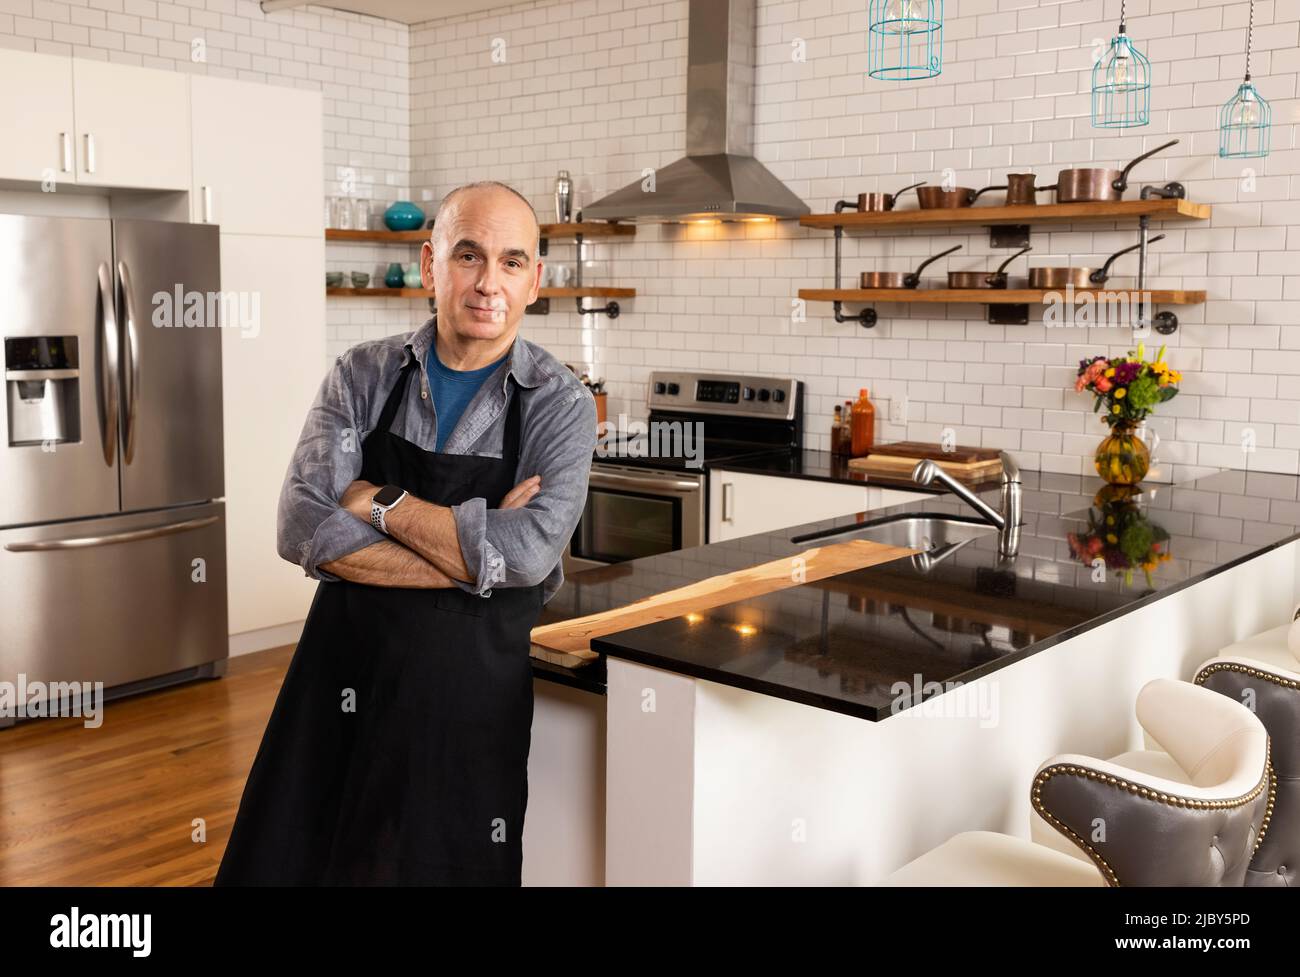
117,805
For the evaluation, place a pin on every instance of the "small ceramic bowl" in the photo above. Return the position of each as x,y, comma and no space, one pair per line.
333,279
360,279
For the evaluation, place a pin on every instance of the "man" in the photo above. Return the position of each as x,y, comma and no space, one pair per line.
397,750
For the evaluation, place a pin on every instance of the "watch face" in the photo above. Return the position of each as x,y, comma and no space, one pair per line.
388,495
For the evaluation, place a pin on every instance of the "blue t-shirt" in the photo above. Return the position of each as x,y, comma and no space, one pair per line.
453,390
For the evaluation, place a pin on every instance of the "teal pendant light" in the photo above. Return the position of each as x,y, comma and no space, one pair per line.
1121,83
904,39
1245,119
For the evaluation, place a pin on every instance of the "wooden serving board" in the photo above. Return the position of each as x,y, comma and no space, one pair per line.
573,637
916,450
881,465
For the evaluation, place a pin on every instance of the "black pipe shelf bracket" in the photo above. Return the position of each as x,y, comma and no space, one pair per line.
609,308
867,317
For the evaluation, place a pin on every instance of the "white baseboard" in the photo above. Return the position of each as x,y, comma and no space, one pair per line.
247,642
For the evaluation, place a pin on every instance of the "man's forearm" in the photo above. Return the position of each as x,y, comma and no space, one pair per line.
388,564
430,531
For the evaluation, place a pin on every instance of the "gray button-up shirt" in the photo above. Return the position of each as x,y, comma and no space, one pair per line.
501,548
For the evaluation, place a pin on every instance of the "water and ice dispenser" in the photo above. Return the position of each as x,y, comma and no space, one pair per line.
42,387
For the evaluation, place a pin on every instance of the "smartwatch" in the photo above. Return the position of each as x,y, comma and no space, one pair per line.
381,502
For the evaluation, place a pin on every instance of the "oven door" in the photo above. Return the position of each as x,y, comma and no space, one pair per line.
631,513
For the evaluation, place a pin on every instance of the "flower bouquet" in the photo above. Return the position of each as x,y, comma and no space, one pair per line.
1122,535
1126,389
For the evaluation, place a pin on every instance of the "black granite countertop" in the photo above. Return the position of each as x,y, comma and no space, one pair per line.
842,643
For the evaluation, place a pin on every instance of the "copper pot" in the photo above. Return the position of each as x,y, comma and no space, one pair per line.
983,279
1021,190
875,202
1080,277
936,198
1087,185
900,279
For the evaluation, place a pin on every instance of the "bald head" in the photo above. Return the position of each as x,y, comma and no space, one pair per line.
496,192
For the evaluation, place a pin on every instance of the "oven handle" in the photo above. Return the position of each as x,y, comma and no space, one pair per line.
613,480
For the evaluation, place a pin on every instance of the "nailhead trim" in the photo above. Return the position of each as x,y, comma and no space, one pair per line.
1208,670
1269,781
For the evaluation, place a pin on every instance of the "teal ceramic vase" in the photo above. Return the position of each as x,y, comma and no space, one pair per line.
412,277
393,277
404,216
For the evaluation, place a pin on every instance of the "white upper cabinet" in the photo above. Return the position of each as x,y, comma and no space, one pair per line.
258,157
133,126
36,109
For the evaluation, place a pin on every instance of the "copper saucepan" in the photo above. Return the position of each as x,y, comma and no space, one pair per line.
875,202
984,279
1089,184
936,197
901,279
1021,190
1080,277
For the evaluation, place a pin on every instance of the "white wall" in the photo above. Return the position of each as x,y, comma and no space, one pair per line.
359,64
598,87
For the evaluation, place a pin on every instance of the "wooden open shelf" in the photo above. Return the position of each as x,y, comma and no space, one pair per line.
1157,210
995,296
552,232
586,292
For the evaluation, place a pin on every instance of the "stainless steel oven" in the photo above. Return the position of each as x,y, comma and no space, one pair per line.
648,489
636,512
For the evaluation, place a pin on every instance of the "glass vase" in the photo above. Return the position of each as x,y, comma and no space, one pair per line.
1123,457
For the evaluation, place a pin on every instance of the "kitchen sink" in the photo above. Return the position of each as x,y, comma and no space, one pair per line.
919,532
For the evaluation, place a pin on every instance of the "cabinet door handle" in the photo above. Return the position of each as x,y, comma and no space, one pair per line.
90,153
65,145
728,494
207,205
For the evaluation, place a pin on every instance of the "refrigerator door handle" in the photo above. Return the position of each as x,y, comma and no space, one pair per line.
131,536
132,391
108,367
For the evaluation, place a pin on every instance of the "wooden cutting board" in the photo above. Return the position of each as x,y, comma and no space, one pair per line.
573,637
895,465
916,450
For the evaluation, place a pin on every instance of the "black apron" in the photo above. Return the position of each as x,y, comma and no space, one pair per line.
425,780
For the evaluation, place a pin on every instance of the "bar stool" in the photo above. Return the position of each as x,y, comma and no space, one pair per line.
1263,673
1133,826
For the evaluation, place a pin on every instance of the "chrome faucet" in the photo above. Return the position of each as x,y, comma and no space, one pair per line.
1007,520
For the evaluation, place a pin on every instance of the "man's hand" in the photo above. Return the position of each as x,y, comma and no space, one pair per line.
521,494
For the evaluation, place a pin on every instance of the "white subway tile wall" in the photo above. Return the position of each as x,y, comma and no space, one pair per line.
598,87
359,64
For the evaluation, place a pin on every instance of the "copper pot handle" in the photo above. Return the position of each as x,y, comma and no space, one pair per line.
1100,276
893,197
1001,269
913,278
1121,184
976,195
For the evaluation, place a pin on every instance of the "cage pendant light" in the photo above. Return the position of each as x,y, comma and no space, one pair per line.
1245,119
904,39
1121,83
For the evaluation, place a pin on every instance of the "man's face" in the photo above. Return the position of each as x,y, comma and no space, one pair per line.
482,263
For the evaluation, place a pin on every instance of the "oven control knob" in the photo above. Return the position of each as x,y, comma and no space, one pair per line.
763,394
778,396
659,387
747,393
673,389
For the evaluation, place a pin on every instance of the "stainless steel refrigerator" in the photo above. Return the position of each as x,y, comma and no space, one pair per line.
112,528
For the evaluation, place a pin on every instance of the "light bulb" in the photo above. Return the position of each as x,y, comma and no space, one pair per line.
899,16
1249,113
1119,69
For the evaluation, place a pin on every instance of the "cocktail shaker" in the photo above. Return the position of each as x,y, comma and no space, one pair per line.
563,198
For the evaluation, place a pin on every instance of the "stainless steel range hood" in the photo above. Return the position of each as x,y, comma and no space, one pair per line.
718,178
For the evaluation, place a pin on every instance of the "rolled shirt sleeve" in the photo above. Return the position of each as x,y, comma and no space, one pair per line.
520,547
311,528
